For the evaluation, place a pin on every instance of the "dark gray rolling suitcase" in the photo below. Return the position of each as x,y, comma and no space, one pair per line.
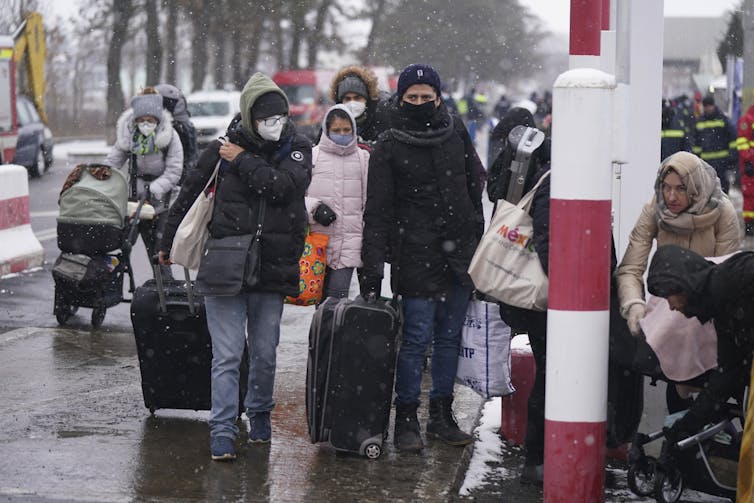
350,372
174,346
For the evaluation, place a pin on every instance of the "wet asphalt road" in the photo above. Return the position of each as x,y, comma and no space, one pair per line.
75,427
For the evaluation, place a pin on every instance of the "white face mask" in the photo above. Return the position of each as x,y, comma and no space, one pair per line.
356,107
146,128
270,133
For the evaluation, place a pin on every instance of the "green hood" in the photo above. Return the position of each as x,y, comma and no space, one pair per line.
257,85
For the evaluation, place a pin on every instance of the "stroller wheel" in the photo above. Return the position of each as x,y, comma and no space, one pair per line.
642,476
98,316
62,316
668,486
63,312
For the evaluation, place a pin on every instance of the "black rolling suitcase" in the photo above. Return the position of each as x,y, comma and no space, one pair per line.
350,372
174,346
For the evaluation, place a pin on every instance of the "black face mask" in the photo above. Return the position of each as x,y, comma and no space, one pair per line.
422,113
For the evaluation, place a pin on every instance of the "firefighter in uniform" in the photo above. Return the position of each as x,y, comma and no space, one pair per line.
715,141
745,147
674,136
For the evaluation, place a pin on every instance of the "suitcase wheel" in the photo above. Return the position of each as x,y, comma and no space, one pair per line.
372,451
98,316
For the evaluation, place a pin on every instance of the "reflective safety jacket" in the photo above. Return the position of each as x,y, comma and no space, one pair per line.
715,139
745,140
674,138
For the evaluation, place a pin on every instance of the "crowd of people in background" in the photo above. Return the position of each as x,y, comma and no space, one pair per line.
395,178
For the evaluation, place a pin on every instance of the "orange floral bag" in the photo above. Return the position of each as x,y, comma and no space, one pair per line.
312,271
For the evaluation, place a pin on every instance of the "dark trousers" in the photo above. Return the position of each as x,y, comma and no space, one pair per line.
535,421
151,233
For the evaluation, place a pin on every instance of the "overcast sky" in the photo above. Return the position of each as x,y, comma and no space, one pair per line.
555,13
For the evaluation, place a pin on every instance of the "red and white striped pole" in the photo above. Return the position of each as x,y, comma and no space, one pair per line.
579,297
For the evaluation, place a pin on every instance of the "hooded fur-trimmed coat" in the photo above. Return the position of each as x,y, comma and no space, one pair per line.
339,179
160,170
375,119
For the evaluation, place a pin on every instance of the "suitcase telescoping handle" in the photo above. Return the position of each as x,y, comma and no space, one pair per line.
161,287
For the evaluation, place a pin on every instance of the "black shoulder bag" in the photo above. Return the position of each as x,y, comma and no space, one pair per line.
232,263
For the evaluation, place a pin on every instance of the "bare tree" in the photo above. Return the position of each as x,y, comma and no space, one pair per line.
246,40
298,30
376,13
199,48
315,34
154,43
171,40
121,13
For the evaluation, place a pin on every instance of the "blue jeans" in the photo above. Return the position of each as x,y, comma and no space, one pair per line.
428,320
337,282
229,320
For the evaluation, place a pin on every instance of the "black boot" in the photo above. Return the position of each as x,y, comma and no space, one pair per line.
407,436
443,425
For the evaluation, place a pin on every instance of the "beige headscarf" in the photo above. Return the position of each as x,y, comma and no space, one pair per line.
702,187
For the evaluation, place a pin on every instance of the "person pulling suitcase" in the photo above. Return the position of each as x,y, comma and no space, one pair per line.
251,260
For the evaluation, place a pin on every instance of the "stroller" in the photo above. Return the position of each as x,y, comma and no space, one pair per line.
95,236
706,461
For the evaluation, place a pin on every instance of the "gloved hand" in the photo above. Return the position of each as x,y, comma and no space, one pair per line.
635,313
324,215
370,285
748,168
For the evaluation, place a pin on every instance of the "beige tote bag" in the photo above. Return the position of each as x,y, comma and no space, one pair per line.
505,265
193,232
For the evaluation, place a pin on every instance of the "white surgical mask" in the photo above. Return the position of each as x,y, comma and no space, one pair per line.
356,107
270,133
146,128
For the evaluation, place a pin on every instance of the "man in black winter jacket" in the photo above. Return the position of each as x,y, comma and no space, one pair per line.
424,205
723,293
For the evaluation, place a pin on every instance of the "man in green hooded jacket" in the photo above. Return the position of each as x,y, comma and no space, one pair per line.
265,166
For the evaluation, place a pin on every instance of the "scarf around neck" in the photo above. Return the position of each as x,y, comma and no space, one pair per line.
703,189
143,145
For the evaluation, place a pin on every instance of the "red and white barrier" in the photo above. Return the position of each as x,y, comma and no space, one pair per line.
19,248
579,295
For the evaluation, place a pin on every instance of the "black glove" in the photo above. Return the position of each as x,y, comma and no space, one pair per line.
324,215
370,286
748,168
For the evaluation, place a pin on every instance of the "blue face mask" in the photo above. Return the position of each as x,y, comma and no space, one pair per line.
341,139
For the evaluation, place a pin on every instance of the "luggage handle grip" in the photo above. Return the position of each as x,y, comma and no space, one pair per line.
161,287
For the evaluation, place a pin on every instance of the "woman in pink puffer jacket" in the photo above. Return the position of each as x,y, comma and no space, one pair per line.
336,197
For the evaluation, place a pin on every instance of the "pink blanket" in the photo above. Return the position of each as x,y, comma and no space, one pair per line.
684,347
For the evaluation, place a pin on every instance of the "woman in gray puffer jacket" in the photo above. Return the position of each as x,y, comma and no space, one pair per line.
148,146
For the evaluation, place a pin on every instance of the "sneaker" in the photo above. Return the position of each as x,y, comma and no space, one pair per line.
222,448
260,430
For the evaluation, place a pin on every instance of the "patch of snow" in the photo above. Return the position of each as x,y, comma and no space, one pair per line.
488,448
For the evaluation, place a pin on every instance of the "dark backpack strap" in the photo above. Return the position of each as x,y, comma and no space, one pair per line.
132,177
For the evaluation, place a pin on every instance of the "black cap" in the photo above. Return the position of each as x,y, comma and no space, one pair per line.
267,105
418,74
708,100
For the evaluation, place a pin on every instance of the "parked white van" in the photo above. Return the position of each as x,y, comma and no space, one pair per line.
211,113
